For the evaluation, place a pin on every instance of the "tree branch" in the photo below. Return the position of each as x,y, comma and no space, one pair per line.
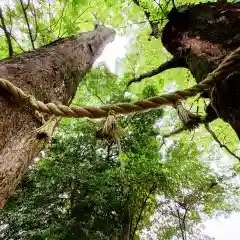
173,3
180,224
75,20
201,120
27,22
27,6
184,222
142,208
175,132
219,142
160,6
36,23
154,24
189,200
7,34
10,19
17,43
94,94
198,194
50,16
61,18
175,62
221,1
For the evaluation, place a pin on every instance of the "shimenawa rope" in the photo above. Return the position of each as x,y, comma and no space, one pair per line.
123,108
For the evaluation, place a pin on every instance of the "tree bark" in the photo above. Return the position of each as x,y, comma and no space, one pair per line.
203,35
127,222
52,74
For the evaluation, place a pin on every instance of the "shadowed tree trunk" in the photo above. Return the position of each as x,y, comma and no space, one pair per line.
203,35
52,74
127,222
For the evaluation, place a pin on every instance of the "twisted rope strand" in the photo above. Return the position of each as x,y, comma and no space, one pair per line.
124,108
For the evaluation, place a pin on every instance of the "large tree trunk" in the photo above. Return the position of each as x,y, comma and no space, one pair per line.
203,35
52,74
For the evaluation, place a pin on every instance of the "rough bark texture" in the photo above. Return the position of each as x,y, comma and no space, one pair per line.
203,35
52,74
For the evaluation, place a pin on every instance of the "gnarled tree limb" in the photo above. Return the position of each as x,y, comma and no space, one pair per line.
175,62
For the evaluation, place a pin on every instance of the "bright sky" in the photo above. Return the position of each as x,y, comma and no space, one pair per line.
221,228
114,52
224,228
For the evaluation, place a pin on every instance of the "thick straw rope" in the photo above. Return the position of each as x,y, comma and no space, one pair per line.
123,108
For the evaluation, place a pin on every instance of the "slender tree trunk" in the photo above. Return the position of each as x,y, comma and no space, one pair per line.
127,223
52,74
203,35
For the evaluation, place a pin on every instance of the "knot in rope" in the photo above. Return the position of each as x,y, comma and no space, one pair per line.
112,112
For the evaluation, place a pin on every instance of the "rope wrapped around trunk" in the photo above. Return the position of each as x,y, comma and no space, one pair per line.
124,108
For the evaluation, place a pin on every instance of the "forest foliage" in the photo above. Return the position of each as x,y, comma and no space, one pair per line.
82,188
